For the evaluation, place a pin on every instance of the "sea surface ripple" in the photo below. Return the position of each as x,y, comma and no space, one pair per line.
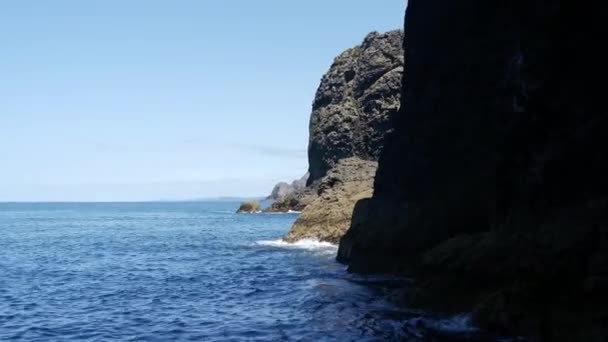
191,271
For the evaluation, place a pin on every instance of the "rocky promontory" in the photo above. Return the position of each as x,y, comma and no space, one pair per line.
492,190
328,216
284,189
350,114
354,102
294,201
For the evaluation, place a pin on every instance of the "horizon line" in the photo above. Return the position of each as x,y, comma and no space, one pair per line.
226,198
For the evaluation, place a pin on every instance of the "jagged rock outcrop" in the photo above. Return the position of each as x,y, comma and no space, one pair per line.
300,184
328,216
295,201
280,190
354,102
351,111
492,189
283,189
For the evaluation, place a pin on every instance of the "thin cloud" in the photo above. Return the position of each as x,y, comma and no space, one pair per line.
274,151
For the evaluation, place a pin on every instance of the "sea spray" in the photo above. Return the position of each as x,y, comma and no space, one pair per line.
315,246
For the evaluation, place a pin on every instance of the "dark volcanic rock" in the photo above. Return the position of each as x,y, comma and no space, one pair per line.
351,111
354,102
492,188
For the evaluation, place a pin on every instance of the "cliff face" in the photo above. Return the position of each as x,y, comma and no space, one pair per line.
328,216
354,102
351,112
492,189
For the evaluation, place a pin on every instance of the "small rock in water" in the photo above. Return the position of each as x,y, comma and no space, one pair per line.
250,207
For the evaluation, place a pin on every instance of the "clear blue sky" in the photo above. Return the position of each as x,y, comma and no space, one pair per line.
144,99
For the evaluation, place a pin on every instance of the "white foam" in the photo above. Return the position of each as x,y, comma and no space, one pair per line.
308,244
281,212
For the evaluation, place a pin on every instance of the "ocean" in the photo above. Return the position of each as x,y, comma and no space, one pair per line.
191,271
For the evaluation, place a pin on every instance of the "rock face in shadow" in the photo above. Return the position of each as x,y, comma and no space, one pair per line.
354,102
328,216
492,189
351,111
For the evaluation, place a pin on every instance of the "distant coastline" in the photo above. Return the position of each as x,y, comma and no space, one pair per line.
206,199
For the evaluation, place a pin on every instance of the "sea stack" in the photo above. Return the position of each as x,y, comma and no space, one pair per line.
351,117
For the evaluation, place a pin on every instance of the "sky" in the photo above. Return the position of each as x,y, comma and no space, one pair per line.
114,100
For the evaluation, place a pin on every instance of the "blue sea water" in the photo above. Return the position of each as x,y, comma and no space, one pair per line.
192,271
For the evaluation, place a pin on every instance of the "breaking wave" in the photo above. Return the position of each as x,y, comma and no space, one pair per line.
307,244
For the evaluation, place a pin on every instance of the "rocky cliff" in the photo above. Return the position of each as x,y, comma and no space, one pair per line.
295,201
351,112
327,216
354,102
492,189
284,189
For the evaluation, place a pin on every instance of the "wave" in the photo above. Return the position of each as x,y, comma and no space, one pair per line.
281,212
307,244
